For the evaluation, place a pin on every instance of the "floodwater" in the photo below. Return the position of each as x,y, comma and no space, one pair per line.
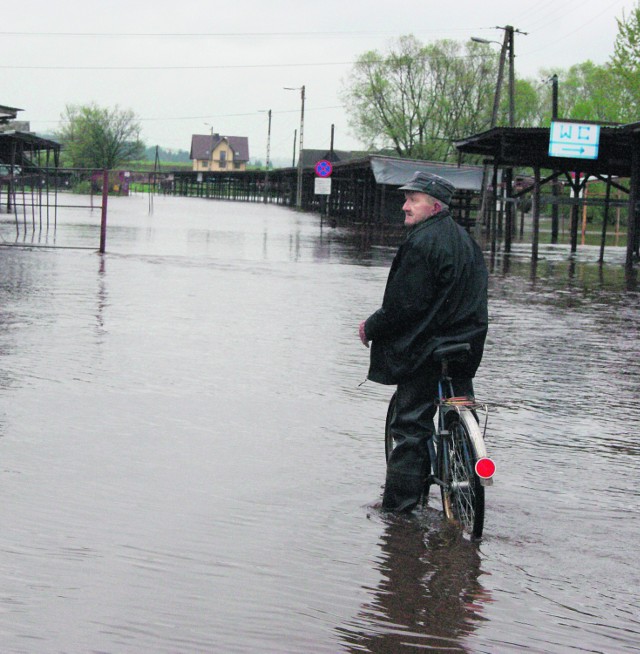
188,462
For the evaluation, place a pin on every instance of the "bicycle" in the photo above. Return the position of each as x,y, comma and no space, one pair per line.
458,464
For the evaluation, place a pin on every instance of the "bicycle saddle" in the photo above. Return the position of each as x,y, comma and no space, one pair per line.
456,351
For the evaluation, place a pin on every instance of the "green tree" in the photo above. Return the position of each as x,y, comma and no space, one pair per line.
528,104
418,98
625,64
587,91
97,137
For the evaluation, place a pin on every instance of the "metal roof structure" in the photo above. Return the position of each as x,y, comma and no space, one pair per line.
17,148
529,146
8,114
618,156
311,156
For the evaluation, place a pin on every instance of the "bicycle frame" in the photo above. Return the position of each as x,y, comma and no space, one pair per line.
464,407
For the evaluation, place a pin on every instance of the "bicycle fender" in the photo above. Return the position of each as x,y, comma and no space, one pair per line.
476,438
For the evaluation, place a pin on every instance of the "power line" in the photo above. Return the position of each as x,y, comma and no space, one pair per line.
252,113
536,10
215,116
217,66
220,66
201,67
558,41
242,35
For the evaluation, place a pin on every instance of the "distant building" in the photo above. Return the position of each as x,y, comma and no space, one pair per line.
19,146
7,114
213,152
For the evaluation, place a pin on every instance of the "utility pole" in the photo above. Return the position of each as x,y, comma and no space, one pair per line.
499,81
299,185
507,47
508,173
295,137
512,78
266,174
554,187
299,191
269,142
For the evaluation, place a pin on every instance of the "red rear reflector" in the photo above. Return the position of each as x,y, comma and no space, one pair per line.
485,468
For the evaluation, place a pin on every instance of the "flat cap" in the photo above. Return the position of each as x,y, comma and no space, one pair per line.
433,185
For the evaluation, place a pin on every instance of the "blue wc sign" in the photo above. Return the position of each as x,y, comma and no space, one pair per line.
574,140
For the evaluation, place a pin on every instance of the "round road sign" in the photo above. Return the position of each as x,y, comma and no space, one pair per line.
324,168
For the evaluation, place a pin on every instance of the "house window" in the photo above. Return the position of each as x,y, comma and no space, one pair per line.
237,165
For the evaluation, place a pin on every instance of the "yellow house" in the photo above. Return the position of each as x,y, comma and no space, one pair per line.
212,152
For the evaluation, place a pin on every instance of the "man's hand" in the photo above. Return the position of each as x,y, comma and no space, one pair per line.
363,335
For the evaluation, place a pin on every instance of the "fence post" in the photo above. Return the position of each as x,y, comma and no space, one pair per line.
103,221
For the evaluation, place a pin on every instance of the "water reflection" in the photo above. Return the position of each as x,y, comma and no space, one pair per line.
102,298
430,595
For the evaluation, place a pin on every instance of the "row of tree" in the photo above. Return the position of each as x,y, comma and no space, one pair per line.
416,99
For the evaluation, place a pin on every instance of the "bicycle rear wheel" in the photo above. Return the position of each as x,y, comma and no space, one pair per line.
462,493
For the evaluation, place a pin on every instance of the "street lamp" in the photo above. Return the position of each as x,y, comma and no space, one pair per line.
477,39
507,46
299,187
483,211
503,53
268,112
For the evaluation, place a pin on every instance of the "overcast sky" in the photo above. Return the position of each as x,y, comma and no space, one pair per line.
186,66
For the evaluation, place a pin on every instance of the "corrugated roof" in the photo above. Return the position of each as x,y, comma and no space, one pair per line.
310,156
395,172
510,147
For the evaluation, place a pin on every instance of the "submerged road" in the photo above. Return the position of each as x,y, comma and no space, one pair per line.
188,462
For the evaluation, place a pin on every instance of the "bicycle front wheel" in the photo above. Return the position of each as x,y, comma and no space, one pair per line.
389,442
462,493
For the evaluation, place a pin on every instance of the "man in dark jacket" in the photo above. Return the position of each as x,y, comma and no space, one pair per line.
436,294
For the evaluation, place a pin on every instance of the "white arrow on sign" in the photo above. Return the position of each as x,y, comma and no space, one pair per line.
577,140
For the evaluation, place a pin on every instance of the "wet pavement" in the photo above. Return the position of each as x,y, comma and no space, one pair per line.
188,462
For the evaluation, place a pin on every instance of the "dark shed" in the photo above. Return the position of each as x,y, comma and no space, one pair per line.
618,155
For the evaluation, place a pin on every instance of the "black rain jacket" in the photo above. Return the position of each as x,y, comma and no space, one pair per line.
436,294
